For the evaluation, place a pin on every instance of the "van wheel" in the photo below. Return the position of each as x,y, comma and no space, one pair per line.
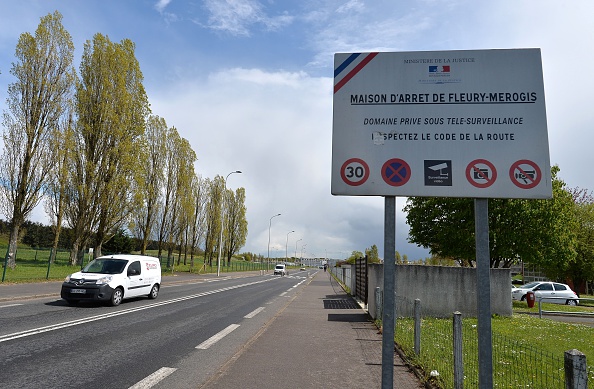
117,297
154,292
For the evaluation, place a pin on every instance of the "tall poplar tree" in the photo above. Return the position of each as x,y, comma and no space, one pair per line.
236,226
112,106
36,102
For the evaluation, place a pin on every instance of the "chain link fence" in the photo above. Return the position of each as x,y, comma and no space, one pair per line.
516,364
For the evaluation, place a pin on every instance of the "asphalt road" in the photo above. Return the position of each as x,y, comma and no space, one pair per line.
181,338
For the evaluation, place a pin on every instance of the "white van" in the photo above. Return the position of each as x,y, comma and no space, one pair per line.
113,278
281,269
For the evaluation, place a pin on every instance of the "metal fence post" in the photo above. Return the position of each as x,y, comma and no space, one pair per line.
458,362
576,370
378,303
417,327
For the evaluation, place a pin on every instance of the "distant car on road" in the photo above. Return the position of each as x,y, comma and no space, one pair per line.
550,292
281,269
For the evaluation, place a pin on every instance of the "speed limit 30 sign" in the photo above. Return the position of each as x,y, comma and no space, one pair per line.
354,172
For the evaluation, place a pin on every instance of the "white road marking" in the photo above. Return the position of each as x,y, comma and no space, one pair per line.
254,313
53,327
9,305
284,293
215,338
154,378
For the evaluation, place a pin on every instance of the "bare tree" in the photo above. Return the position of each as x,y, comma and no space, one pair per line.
55,191
179,170
149,180
197,228
235,233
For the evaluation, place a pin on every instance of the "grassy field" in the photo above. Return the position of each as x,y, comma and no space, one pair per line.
33,265
527,351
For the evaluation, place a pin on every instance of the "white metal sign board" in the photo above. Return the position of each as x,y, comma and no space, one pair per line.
440,123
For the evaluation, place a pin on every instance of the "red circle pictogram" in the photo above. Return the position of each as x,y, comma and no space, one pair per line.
481,173
354,172
525,174
396,172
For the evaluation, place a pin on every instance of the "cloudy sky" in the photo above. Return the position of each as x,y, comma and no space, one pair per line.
249,84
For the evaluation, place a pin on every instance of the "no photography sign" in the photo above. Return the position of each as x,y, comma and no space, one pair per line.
440,123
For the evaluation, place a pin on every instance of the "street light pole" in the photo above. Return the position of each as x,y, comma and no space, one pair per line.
286,247
270,225
223,221
296,247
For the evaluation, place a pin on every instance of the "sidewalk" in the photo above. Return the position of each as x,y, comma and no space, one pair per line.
322,339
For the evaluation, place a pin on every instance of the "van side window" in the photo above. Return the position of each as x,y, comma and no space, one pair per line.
134,268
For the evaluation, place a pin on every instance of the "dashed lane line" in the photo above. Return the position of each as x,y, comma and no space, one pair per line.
215,338
154,378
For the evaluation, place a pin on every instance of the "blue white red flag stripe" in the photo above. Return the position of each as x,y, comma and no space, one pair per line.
339,83
346,63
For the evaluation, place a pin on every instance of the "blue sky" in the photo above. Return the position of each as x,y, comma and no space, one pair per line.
249,84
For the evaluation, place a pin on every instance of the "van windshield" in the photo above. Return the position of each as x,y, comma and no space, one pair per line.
105,266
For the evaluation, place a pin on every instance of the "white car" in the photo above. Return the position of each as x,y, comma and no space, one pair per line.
281,269
550,292
114,278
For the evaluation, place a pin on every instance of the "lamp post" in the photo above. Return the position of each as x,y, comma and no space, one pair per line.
296,248
270,225
286,247
223,221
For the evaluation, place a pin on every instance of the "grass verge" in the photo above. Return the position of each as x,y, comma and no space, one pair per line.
527,351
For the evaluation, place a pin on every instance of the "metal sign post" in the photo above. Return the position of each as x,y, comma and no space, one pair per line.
388,320
483,292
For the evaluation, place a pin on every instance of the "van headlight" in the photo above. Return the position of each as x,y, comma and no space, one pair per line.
67,279
104,280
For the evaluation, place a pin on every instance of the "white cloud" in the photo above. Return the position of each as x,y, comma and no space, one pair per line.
276,128
161,5
238,16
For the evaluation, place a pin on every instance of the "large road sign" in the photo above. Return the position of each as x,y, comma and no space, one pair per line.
440,123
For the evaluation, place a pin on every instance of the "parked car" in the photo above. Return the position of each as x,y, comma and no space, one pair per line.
550,292
281,269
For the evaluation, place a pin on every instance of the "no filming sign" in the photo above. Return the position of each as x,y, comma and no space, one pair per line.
416,123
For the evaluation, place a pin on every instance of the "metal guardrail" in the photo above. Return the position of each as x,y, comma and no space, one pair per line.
541,311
